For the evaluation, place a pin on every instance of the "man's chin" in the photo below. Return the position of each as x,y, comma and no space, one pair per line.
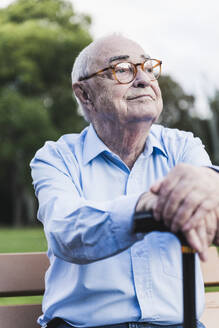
142,116
141,119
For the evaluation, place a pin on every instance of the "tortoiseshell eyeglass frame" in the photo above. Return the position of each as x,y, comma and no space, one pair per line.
112,67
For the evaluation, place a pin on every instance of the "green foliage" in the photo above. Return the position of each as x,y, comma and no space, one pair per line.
214,102
213,126
40,40
179,113
25,121
177,104
58,12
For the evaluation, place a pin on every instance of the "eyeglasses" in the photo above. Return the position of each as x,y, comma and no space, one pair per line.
126,72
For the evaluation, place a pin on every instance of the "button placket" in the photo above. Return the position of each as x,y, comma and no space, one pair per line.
142,279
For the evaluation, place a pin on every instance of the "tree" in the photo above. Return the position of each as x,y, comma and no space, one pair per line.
213,126
177,104
179,112
39,42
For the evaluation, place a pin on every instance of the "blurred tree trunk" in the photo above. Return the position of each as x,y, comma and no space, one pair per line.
17,193
213,124
30,207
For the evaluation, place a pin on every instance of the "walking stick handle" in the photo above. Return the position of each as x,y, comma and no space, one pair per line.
145,222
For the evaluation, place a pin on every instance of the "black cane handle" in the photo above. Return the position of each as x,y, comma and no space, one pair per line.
145,222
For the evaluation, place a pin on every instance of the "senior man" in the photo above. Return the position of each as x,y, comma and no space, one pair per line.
90,184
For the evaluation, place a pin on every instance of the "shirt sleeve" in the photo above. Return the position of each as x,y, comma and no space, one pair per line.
193,151
79,230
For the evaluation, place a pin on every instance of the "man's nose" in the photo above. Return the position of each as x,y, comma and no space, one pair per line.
141,80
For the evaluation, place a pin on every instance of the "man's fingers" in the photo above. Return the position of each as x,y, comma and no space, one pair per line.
193,240
210,220
156,187
175,200
146,202
167,186
202,233
194,219
197,239
186,209
203,255
211,226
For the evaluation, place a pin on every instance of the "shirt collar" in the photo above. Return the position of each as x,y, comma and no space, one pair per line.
93,145
154,143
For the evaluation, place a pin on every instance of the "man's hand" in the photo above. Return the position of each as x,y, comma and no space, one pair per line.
196,237
188,200
186,195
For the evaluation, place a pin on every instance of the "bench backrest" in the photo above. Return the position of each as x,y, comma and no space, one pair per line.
22,274
210,269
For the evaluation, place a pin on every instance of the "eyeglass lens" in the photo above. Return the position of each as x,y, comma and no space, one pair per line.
125,72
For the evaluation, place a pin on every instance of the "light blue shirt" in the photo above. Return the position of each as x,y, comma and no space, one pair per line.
100,272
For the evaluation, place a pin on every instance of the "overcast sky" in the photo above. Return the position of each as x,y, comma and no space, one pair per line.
184,34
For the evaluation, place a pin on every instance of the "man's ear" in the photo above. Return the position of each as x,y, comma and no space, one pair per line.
81,93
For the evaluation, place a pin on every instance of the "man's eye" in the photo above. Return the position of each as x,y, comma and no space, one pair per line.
149,69
122,70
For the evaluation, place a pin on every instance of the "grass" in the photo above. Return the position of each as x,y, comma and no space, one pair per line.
16,240
212,289
21,300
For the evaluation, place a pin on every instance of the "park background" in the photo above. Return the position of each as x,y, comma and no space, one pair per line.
39,41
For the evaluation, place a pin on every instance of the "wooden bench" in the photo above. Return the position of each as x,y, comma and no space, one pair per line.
210,271
22,274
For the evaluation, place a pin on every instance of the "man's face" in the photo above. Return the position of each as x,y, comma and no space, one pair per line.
139,100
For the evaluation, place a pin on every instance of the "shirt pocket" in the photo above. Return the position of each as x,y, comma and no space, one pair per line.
170,254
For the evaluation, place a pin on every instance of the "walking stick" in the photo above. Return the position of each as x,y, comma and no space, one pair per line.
144,222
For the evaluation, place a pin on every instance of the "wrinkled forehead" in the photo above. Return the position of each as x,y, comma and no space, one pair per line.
112,50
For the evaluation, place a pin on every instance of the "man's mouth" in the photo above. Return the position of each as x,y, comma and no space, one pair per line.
141,96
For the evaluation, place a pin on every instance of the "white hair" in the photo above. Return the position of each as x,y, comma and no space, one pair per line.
80,69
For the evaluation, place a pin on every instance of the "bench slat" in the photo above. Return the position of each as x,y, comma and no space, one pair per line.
210,268
22,274
20,316
210,317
